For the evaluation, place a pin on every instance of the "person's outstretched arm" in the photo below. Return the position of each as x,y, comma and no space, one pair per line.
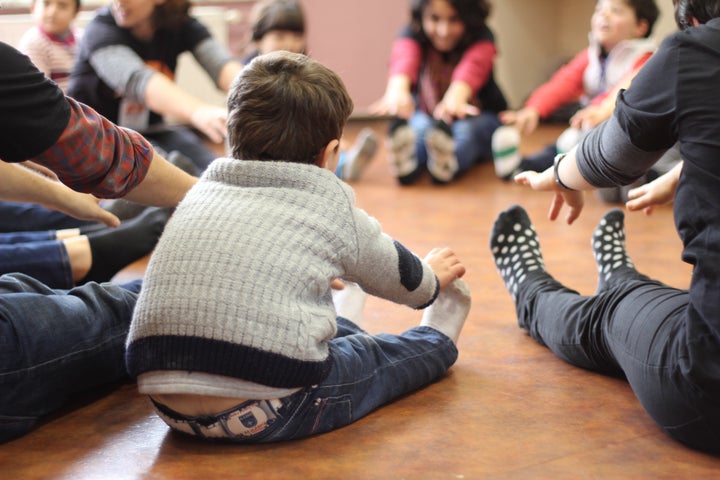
405,62
164,184
86,151
20,184
124,164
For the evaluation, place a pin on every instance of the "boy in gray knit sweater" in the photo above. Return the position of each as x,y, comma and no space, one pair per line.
235,333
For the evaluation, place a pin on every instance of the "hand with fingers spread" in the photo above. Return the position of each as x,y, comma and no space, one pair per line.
454,104
545,181
397,100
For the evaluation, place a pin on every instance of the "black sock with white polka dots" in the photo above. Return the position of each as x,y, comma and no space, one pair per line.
515,247
608,245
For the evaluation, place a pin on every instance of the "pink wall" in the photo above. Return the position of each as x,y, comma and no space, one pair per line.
354,39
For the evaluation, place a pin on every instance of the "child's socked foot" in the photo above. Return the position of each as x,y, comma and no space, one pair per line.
401,149
450,309
442,161
515,248
360,156
608,245
506,152
123,209
350,302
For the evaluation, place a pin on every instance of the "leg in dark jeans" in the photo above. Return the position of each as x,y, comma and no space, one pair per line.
185,141
27,217
634,326
366,372
540,161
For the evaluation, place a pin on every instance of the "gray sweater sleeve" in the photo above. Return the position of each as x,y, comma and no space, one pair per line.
385,268
123,70
211,56
606,157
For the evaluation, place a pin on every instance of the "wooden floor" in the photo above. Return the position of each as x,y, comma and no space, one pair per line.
507,409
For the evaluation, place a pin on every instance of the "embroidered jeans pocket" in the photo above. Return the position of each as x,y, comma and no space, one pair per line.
331,413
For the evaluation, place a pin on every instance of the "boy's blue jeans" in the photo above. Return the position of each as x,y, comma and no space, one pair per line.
368,371
57,343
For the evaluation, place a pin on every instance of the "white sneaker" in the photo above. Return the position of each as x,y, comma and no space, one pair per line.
360,155
506,151
569,138
401,151
442,162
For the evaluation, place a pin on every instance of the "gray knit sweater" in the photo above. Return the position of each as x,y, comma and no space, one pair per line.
239,283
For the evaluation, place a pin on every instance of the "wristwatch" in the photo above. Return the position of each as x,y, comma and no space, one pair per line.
556,164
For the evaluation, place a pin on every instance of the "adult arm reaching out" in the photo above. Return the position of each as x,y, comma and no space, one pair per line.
20,184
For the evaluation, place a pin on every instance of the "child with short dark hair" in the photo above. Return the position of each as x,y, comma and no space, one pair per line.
280,25
236,335
276,25
618,47
51,44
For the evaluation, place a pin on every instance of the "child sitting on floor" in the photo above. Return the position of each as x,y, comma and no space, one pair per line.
51,44
235,334
619,46
442,92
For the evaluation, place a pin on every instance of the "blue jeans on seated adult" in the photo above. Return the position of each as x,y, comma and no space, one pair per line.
473,138
25,217
37,254
55,344
367,372
185,141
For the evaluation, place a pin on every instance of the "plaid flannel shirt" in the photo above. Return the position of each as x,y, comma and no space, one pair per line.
95,156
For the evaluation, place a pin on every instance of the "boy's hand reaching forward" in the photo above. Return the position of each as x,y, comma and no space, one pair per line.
445,264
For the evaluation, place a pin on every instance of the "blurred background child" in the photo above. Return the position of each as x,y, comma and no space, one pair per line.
280,25
442,91
619,46
276,25
51,44
126,65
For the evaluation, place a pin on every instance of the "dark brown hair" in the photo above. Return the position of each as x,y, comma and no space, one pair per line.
77,4
645,10
700,10
171,14
287,107
473,14
269,15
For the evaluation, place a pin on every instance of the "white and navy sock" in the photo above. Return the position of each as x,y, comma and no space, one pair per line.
448,312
